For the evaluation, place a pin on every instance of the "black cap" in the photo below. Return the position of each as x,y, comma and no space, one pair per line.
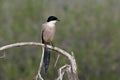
52,18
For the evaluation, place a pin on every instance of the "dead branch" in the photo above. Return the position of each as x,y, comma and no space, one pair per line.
62,71
73,67
57,60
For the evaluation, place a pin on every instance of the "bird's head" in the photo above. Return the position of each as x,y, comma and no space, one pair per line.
52,18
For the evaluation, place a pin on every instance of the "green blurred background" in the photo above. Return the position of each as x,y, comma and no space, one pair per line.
89,28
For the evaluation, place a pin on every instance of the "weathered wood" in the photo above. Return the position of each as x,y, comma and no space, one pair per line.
70,69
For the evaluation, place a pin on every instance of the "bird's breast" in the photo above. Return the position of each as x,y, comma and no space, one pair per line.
49,34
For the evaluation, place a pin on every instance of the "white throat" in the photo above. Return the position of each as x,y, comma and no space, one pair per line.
52,23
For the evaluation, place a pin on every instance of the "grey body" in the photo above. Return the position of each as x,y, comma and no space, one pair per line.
48,31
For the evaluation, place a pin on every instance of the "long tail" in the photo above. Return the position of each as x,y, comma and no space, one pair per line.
46,59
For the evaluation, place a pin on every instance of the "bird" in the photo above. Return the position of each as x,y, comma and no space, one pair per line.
48,32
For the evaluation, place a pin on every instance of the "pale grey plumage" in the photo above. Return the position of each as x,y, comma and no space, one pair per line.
48,32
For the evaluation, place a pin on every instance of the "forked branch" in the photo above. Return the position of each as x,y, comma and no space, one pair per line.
72,66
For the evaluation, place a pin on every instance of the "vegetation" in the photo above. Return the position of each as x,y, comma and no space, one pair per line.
89,28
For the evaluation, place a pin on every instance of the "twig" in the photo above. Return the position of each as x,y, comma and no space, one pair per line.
56,60
38,76
62,71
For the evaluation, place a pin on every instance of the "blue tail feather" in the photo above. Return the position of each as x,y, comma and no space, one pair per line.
46,59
